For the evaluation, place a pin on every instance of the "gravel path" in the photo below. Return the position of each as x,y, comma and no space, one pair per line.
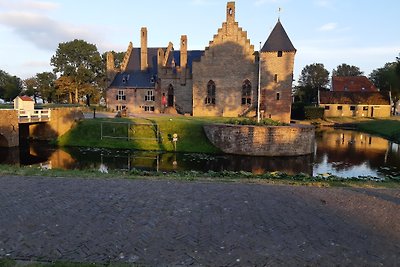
172,223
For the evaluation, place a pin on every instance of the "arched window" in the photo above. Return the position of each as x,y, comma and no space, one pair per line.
246,93
210,99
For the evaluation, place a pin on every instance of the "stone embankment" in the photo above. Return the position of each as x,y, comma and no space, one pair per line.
293,140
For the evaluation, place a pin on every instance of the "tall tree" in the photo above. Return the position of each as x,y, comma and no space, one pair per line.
31,88
81,62
10,86
345,70
45,84
314,77
388,79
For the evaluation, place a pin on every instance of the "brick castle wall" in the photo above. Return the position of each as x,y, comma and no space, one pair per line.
62,120
291,140
9,128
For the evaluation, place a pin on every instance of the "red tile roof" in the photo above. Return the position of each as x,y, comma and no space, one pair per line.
355,98
353,84
25,98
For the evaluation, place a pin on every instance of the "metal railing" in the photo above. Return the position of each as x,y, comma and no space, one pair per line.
34,115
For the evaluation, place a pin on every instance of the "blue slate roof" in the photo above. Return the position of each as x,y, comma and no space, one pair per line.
133,77
193,55
136,79
278,40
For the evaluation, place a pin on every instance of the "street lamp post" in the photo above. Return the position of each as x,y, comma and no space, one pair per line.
259,85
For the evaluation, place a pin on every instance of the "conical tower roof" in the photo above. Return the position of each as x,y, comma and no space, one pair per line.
278,40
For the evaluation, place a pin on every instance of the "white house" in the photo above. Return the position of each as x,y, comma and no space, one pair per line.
24,103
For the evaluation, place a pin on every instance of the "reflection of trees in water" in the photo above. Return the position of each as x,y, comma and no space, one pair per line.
344,149
341,152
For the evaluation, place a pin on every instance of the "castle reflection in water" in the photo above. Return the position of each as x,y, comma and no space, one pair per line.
340,152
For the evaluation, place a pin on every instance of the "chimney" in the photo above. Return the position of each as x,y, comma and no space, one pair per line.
183,51
143,49
184,58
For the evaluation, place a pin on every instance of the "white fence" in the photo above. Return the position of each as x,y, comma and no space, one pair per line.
34,115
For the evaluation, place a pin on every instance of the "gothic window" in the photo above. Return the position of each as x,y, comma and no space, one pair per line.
210,99
246,93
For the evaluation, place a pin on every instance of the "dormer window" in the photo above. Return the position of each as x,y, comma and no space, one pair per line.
125,79
280,53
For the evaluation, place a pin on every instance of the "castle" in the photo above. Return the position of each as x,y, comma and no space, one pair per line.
222,80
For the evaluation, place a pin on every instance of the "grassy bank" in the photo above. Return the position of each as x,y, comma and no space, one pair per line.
142,134
211,176
389,129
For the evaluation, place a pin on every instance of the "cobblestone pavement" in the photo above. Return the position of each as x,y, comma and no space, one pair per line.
172,223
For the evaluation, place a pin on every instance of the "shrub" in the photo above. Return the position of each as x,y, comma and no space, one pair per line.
249,121
312,113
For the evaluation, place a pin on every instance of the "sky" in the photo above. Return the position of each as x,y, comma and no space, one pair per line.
361,33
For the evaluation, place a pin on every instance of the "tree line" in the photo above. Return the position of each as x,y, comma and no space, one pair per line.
315,77
79,73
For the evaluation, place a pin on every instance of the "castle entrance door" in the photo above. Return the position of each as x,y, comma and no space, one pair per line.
170,96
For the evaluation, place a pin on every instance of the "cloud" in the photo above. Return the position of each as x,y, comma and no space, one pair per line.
41,30
328,27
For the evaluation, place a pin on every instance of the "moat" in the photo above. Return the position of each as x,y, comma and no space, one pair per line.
338,152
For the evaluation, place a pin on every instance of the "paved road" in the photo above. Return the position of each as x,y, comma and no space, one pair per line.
173,223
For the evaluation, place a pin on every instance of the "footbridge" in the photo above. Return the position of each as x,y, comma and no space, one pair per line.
41,124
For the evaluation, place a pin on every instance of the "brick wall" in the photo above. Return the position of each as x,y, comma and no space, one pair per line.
62,120
262,141
276,78
376,111
9,128
228,62
134,100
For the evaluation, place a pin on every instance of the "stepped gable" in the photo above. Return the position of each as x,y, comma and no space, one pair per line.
231,32
278,40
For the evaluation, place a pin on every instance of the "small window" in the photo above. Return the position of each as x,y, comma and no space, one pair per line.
278,96
365,108
327,107
346,88
280,53
352,108
339,107
276,78
149,96
149,108
120,95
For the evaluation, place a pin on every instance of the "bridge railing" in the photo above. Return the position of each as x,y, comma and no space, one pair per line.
34,115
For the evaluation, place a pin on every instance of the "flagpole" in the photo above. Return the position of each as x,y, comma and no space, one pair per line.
259,85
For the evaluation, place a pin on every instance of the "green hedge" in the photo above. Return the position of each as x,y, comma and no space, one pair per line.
312,113
298,111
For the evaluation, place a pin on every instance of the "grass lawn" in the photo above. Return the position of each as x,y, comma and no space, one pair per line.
143,134
388,128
